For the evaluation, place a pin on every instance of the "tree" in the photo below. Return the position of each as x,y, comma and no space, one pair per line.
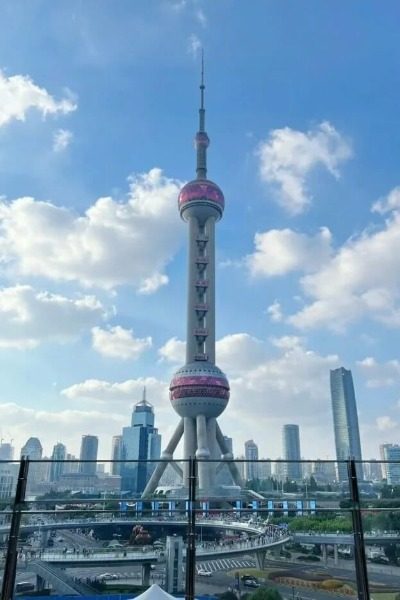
266,594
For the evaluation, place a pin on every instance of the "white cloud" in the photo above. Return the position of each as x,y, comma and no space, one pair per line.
105,392
380,375
386,423
389,203
274,311
153,283
20,423
29,317
236,352
173,351
287,157
117,342
239,352
19,94
361,279
293,381
194,45
201,17
113,243
62,139
280,251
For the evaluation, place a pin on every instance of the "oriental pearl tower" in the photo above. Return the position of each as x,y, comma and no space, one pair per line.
199,391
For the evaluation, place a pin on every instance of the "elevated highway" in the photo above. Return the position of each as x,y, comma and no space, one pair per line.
343,538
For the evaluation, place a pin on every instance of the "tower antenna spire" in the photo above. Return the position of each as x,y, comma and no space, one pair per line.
202,86
202,140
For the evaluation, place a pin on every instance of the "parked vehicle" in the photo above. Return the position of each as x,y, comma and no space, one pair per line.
251,583
107,577
24,586
204,573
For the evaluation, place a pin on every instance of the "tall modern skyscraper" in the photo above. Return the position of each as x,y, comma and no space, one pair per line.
345,421
116,454
89,447
140,442
37,470
32,449
291,451
57,466
6,451
251,454
392,469
199,391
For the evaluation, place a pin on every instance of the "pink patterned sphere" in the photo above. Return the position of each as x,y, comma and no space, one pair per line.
199,388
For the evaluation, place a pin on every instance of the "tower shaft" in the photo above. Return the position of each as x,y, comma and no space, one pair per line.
200,345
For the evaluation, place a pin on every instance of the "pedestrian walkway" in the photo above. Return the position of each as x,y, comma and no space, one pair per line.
224,564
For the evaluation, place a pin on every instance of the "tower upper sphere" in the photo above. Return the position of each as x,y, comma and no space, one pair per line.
201,198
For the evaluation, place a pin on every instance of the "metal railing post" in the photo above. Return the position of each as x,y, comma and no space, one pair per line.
358,533
191,532
7,591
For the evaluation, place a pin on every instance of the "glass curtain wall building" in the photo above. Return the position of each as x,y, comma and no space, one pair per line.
140,442
291,451
345,420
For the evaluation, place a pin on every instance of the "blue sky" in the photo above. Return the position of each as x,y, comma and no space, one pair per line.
98,108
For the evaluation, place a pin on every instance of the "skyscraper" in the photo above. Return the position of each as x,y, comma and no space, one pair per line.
251,454
199,391
392,452
32,449
291,451
345,420
116,454
140,442
37,471
6,451
57,466
89,447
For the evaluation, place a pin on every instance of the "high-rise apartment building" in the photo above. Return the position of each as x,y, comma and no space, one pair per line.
32,449
116,454
264,468
345,421
57,465
6,451
141,442
291,452
251,454
229,443
391,452
382,454
37,470
89,448
373,470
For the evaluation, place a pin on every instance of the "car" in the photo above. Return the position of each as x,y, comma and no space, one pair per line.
24,586
107,577
59,539
204,573
251,583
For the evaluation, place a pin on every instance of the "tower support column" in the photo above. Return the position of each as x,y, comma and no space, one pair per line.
202,452
189,445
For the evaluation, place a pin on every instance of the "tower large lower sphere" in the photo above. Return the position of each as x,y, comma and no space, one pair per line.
199,391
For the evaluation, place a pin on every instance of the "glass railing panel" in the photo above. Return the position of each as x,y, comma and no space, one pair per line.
290,530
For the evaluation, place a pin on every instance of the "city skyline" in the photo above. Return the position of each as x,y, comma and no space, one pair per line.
93,254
